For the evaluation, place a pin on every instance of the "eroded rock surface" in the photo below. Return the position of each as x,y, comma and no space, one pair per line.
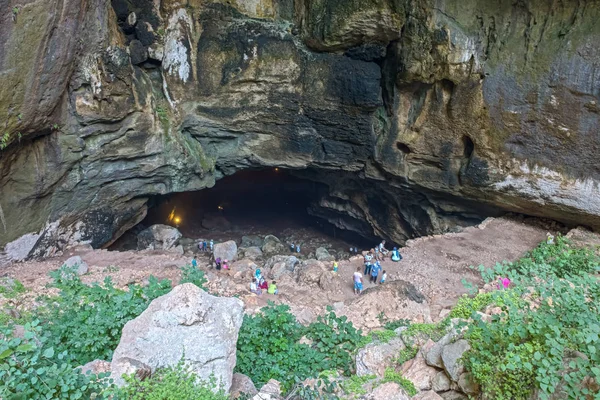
416,116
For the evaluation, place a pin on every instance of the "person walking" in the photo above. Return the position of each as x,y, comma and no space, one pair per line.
375,272
358,281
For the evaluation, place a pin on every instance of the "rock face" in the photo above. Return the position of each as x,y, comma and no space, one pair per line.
376,357
162,237
226,250
476,108
186,323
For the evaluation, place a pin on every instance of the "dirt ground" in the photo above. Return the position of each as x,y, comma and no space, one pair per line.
435,265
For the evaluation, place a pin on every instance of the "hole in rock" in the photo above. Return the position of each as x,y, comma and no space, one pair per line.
251,202
403,148
468,146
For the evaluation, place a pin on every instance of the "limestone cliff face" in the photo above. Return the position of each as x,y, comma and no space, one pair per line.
437,112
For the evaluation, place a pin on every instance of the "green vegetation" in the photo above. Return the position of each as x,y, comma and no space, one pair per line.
407,353
193,275
269,346
163,117
384,336
547,336
354,384
466,305
11,288
174,383
30,368
392,376
4,139
433,331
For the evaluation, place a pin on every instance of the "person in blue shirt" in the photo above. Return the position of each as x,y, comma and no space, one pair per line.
396,256
194,262
375,272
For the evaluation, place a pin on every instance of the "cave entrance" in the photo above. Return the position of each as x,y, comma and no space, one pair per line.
251,202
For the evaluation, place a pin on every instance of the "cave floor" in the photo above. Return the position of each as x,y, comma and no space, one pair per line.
435,265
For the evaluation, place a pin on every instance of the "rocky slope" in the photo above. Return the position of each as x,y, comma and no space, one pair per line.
417,115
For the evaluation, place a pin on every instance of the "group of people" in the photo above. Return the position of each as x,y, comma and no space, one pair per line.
372,266
294,248
205,246
259,284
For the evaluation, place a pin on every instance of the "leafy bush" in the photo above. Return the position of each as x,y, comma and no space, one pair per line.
87,320
268,346
547,337
466,306
392,376
192,274
354,385
172,383
30,368
384,336
393,325
407,353
11,288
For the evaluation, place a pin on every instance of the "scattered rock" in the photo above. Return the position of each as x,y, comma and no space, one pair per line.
77,264
95,367
251,241
467,384
433,356
276,266
388,391
417,371
323,255
450,357
214,221
241,384
376,357
441,382
226,250
170,328
272,245
159,237
428,395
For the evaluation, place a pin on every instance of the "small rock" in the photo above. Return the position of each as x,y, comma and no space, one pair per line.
433,356
272,387
241,384
95,367
131,19
451,355
77,264
453,395
226,250
441,382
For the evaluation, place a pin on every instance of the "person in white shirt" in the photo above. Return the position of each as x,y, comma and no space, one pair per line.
358,283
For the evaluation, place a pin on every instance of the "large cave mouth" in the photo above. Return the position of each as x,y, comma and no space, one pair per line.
251,202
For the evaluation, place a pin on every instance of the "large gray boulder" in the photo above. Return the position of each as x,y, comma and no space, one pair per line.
226,250
159,237
187,324
252,241
376,357
272,245
276,266
451,355
323,255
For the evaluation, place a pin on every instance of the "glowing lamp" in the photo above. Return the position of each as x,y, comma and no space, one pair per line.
220,207
177,220
276,169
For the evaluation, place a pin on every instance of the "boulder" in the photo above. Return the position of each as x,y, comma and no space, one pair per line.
272,387
252,252
95,367
387,391
272,245
309,272
18,250
276,266
417,371
226,250
215,221
159,237
323,255
77,264
451,355
433,356
441,382
428,395
251,241
467,384
453,395
374,358
241,385
187,324
138,52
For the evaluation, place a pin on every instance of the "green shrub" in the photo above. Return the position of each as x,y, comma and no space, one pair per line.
354,384
393,325
173,383
392,376
30,368
11,288
526,346
191,274
268,346
87,320
407,353
466,306
384,336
